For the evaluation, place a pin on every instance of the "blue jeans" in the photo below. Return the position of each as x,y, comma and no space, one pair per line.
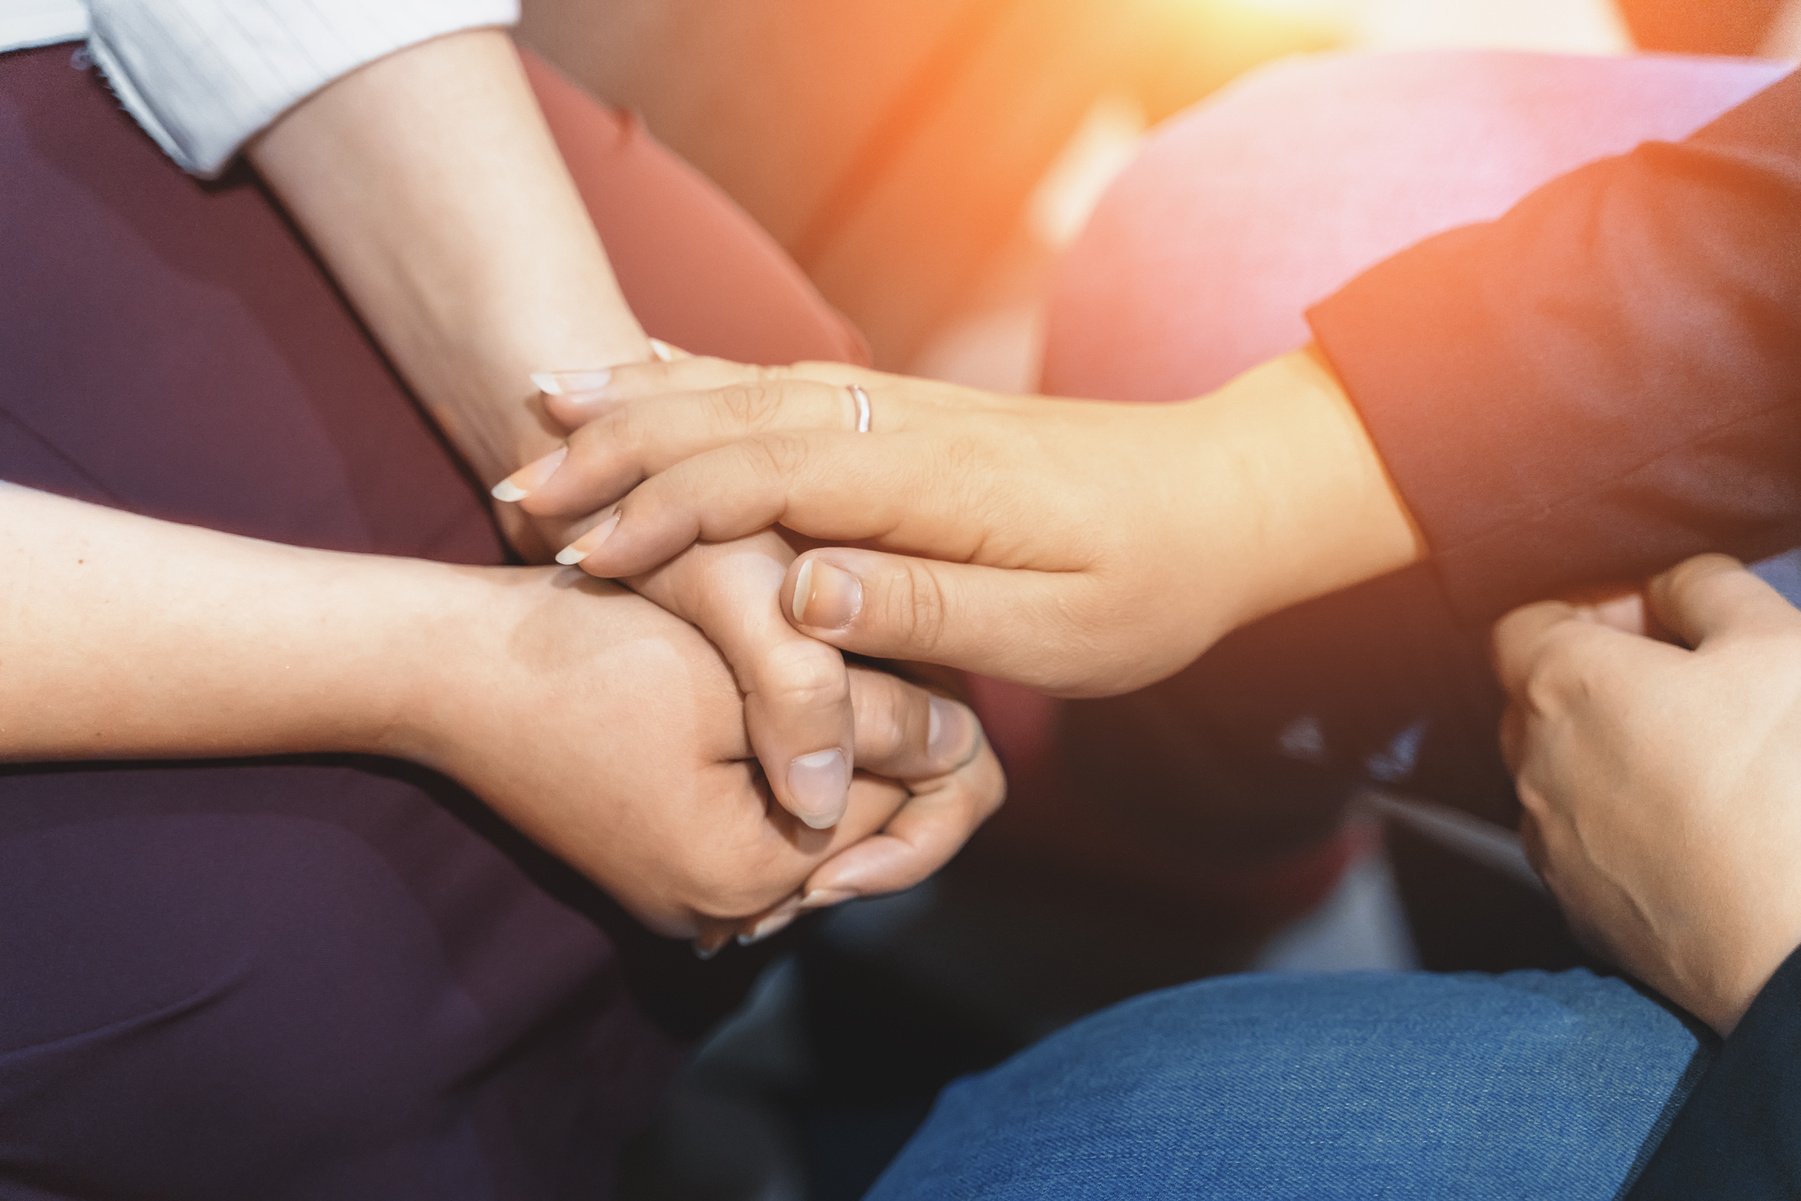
1361,1086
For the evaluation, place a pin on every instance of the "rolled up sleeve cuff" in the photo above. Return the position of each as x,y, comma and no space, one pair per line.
203,77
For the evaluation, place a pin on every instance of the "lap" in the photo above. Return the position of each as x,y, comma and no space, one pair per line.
299,979
1403,1085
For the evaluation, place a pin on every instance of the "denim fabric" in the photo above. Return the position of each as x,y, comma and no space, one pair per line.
1361,1087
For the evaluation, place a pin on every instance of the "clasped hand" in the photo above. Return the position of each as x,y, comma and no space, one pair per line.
1079,547
1661,776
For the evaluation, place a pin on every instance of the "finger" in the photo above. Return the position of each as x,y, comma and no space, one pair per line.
906,492
1014,625
1513,738
561,393
683,373
918,841
712,935
620,447
1713,596
771,922
1523,637
1532,841
797,700
790,854
906,733
766,864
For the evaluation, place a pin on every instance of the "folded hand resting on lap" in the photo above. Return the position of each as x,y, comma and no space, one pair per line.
1662,780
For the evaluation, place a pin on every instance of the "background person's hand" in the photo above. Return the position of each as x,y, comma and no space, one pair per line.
1079,547
1662,783
612,733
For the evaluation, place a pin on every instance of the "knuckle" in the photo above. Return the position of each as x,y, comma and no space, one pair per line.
1565,669
917,606
590,443
752,405
804,675
777,456
881,722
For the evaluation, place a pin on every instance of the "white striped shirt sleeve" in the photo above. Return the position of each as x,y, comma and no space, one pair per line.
205,76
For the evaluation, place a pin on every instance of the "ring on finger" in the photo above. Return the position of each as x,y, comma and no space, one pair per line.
861,399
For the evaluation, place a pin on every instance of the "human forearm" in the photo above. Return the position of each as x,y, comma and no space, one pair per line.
126,637
1318,511
433,191
1081,547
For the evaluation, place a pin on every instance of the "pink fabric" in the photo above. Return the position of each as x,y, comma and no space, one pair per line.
1243,212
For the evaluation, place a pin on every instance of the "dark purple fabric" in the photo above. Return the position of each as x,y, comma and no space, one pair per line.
300,979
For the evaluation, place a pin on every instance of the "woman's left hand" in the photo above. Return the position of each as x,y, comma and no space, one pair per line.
1662,783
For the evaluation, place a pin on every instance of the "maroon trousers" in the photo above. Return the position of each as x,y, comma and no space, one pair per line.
306,979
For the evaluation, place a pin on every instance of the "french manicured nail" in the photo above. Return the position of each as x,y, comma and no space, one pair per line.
825,898
820,786
947,730
578,385
588,543
772,925
663,350
529,478
826,597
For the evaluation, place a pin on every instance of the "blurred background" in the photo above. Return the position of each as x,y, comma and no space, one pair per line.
924,162
919,159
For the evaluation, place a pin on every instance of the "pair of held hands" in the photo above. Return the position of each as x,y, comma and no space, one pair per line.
1090,549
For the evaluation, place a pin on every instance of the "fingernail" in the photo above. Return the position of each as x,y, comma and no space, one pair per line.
578,385
825,898
774,924
589,542
705,951
662,350
529,478
826,597
947,730
820,786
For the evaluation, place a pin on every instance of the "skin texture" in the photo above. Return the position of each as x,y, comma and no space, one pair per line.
1078,547
431,187
1661,776
127,637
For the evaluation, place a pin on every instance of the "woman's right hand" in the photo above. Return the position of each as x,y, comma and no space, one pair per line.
613,734
1078,547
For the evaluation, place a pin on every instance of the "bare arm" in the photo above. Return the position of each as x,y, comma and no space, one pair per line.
429,183
121,636
432,188
126,637
1079,547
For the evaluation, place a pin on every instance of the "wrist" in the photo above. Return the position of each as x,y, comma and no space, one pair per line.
482,393
433,657
1315,508
349,666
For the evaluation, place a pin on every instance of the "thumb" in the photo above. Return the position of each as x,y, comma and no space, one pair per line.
1713,595
993,621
